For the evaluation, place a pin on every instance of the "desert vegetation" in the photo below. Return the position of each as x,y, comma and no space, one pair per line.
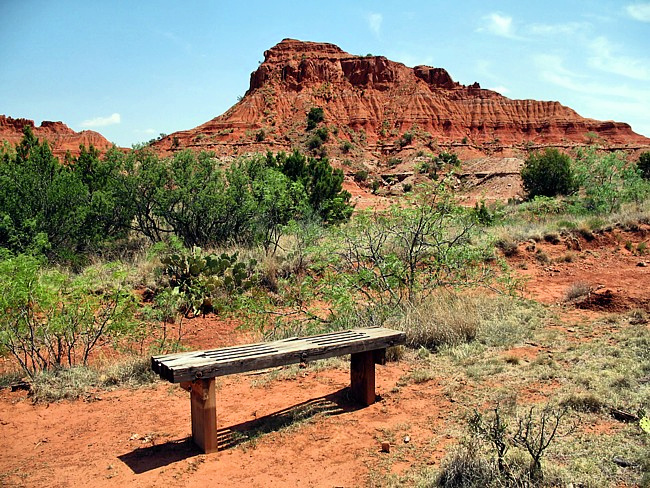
117,254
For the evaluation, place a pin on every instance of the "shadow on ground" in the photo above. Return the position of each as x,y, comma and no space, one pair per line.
148,458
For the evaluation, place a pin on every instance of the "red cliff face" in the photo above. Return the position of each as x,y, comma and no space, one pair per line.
60,137
371,101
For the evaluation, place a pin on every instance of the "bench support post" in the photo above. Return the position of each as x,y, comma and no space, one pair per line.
362,376
204,414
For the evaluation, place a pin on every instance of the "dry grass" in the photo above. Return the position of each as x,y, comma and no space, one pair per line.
71,383
579,289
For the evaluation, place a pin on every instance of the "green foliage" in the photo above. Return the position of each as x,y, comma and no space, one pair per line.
548,174
322,183
644,165
47,207
406,139
199,280
361,176
315,117
608,181
448,158
397,256
482,214
644,423
346,147
50,318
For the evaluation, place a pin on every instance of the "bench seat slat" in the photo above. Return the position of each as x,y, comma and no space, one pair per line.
181,367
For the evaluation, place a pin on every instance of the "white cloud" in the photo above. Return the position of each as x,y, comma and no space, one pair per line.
102,121
500,89
639,11
374,22
499,25
569,28
549,63
606,59
551,69
410,59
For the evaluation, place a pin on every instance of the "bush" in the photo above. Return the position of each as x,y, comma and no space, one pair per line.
199,279
346,147
448,320
50,318
644,165
548,174
361,176
406,139
315,117
608,181
60,210
447,158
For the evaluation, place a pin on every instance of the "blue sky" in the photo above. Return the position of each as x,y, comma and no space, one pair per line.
134,69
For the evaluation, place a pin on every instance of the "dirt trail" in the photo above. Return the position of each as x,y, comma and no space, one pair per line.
140,437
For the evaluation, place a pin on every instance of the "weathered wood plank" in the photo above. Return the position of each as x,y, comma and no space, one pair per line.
204,414
362,377
218,362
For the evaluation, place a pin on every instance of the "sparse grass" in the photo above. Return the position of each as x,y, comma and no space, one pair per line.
576,290
71,383
451,319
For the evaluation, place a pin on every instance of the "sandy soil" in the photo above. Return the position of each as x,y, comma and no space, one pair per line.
141,437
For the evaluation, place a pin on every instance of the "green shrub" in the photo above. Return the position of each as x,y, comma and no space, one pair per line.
60,210
322,133
548,174
644,165
448,158
608,181
315,117
361,176
346,147
50,318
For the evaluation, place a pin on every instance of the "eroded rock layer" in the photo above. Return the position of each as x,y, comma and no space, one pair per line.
372,101
60,137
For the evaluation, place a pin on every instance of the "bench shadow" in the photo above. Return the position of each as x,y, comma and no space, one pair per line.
145,459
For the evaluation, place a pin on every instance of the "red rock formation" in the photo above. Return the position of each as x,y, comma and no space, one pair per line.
60,137
372,101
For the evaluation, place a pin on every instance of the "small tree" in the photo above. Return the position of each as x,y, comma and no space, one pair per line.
644,165
608,180
315,117
548,174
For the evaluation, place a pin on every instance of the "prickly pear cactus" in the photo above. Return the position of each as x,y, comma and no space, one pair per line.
645,424
201,278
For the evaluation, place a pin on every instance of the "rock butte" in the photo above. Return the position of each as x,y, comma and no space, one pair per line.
61,137
371,101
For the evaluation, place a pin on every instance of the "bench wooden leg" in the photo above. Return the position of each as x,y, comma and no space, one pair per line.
362,375
204,414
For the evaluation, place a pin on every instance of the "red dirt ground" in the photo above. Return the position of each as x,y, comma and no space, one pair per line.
140,437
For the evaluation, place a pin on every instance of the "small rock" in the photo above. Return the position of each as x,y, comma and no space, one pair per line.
407,439
623,463
385,447
134,437
642,264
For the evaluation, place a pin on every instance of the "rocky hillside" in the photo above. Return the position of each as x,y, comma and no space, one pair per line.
59,135
375,108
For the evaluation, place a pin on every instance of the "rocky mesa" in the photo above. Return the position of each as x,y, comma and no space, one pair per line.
60,137
370,102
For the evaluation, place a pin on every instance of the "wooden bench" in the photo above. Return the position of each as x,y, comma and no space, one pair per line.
196,371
